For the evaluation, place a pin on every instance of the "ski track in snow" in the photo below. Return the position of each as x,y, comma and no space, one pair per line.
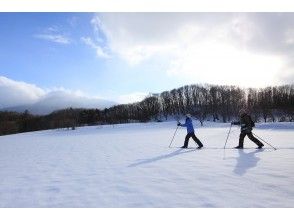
131,166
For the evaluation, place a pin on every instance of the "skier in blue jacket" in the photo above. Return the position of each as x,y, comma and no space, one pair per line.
190,132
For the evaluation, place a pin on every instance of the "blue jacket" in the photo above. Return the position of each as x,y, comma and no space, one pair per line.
189,125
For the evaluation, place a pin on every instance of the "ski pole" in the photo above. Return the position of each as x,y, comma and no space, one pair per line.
173,137
228,136
265,141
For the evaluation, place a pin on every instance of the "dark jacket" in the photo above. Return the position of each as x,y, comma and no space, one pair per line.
245,122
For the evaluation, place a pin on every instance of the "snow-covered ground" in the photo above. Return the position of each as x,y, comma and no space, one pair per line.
132,166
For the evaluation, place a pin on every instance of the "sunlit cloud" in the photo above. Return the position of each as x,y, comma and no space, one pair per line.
215,62
219,48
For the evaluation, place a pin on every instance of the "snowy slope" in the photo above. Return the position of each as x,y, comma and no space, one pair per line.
132,166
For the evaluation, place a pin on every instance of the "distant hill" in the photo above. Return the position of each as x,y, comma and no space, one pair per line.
60,100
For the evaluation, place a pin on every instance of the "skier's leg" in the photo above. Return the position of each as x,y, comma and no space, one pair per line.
197,140
187,140
255,140
241,139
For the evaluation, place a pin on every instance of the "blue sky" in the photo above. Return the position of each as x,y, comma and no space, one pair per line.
45,63
124,56
27,57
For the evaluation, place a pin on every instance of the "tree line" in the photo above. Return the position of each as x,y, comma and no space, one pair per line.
203,102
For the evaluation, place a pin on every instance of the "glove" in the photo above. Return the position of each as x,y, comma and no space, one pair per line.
179,123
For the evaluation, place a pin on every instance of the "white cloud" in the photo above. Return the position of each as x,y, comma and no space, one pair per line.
56,38
54,34
242,28
289,36
132,36
73,21
14,93
223,64
204,47
65,91
136,37
17,93
52,29
96,23
132,97
100,52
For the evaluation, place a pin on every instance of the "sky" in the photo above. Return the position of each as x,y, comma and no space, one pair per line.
122,57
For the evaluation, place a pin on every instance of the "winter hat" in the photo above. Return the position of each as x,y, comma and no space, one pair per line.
188,115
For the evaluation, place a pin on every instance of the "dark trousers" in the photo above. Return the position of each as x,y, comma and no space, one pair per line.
251,137
194,138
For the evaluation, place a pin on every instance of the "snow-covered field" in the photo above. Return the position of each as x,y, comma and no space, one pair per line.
132,166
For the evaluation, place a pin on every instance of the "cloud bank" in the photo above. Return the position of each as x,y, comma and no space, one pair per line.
13,93
18,96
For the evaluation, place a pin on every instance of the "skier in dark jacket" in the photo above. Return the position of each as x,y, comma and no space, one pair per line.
246,129
190,132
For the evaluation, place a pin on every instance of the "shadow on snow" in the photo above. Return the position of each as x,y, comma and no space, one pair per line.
161,157
246,161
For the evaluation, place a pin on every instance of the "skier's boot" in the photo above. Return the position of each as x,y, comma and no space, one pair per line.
184,147
260,146
239,147
200,146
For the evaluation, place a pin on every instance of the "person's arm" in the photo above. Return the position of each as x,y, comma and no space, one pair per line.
235,123
182,125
